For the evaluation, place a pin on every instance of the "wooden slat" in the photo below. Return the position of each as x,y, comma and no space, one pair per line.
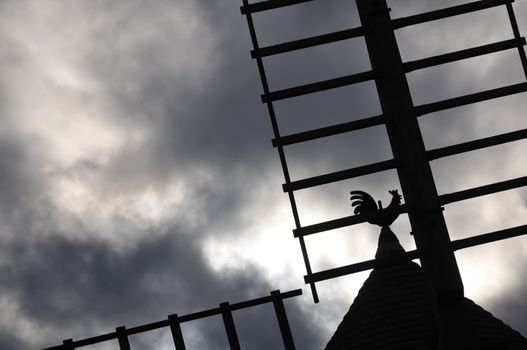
347,221
463,54
489,237
122,338
476,144
328,131
67,344
230,328
307,42
94,340
470,98
177,334
283,323
264,300
339,175
516,32
483,190
447,12
317,87
268,5
361,266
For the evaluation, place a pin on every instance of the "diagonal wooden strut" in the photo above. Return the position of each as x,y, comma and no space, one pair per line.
276,131
415,175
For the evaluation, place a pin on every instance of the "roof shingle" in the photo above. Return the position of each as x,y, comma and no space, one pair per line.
393,310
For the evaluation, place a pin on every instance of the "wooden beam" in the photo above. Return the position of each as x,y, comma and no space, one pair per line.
317,87
307,42
463,54
339,175
268,5
447,12
328,131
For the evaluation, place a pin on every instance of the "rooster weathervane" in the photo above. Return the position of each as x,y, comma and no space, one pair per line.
365,205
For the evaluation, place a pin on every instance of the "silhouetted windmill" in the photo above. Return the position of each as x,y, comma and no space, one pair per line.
411,159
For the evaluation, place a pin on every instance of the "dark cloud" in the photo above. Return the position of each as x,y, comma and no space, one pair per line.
84,287
11,341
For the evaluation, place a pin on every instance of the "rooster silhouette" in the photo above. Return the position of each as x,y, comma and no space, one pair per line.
365,204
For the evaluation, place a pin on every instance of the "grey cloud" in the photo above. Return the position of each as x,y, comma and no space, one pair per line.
512,307
20,188
83,287
10,341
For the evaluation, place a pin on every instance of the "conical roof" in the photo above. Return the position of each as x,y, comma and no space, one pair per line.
393,310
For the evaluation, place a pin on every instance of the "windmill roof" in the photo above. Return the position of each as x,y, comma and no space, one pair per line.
393,310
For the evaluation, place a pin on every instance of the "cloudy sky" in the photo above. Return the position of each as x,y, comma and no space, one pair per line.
137,177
